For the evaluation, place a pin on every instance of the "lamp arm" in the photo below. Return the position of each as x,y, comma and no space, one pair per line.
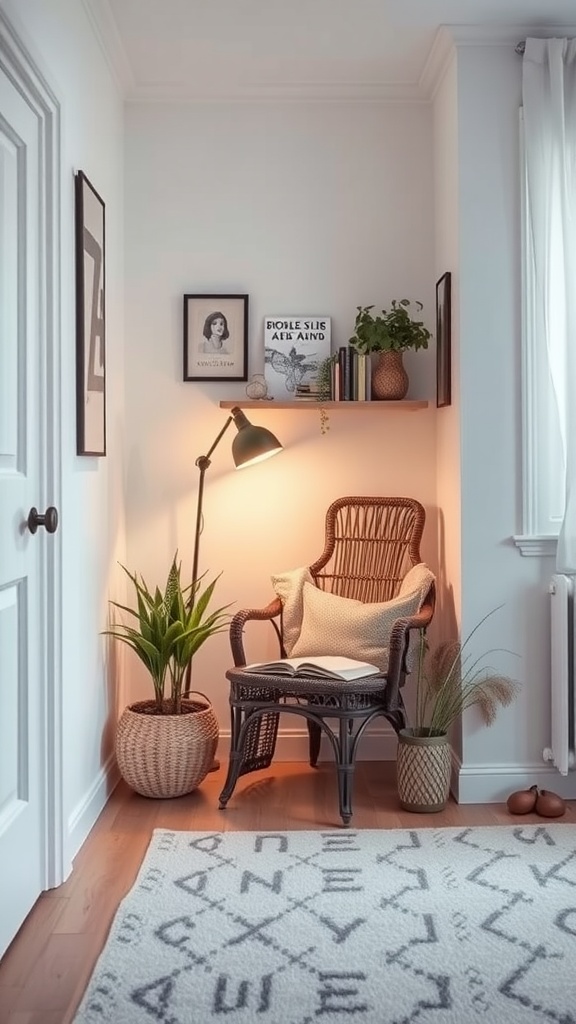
203,463
216,442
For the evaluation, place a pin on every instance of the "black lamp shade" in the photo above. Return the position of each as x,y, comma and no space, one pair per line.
252,444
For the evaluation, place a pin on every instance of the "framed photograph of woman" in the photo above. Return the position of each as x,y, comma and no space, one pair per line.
443,341
215,337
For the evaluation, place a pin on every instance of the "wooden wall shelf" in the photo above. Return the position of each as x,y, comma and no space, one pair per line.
246,403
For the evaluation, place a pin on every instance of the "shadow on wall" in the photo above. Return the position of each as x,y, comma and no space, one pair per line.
445,622
445,617
115,687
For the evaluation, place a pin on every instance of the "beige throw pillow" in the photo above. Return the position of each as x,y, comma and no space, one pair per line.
420,578
342,626
288,587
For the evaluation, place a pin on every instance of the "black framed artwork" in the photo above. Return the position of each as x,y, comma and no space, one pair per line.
215,337
90,319
443,341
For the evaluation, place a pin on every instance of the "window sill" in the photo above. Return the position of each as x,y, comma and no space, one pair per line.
536,546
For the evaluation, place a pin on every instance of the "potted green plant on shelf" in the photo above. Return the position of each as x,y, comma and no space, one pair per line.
390,333
165,746
447,683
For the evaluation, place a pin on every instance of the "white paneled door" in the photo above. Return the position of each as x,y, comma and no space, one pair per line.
23,554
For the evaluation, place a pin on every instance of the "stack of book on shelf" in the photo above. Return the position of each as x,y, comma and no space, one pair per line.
345,377
351,376
307,393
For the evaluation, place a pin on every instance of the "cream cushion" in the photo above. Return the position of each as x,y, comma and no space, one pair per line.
288,587
420,578
342,626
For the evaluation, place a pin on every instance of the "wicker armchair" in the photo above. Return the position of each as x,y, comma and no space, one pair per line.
370,545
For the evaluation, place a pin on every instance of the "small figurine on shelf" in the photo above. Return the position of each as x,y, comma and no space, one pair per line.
257,388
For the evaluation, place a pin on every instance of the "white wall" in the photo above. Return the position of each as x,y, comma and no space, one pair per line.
62,42
447,259
308,209
493,571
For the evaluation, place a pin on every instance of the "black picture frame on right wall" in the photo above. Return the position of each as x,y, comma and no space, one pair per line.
443,340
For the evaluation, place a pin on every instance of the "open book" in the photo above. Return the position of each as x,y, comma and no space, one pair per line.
323,667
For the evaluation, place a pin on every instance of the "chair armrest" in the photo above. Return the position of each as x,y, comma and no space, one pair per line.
399,637
269,613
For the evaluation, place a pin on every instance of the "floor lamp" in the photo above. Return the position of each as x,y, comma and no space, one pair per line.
251,444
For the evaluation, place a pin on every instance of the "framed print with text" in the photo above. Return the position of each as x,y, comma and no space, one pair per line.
443,341
90,319
215,337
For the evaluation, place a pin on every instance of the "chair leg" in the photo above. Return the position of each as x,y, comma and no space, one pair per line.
235,759
314,738
345,769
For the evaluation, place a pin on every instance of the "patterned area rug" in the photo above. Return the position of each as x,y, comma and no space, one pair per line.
382,927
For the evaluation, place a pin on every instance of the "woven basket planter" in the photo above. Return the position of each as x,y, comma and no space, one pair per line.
389,377
423,767
166,755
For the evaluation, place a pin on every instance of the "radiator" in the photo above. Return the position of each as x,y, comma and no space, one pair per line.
562,655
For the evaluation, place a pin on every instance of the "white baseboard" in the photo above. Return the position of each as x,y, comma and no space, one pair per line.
493,783
377,744
471,784
83,817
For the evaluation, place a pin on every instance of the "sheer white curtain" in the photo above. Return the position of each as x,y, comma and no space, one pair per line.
549,101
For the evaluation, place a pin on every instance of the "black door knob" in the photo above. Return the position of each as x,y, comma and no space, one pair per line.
49,520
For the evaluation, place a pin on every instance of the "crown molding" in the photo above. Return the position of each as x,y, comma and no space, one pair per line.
106,31
504,35
447,40
105,28
440,54
287,92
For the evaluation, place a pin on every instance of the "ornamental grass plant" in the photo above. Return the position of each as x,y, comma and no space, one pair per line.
449,681
168,628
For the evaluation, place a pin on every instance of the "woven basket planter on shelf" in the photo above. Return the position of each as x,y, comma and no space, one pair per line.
423,768
389,377
166,755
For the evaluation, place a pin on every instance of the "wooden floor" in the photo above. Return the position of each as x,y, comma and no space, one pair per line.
45,971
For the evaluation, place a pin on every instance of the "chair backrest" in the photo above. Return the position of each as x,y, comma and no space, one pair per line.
371,543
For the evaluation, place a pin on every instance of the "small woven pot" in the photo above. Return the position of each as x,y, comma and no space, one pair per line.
423,766
167,755
389,378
